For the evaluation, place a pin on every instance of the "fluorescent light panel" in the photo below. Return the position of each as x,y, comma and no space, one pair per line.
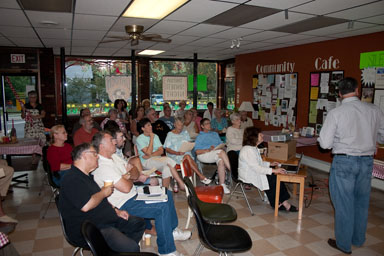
150,52
152,9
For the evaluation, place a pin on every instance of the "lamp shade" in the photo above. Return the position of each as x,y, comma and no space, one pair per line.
246,106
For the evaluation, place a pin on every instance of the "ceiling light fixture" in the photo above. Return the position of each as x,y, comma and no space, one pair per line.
351,24
236,43
149,9
150,52
286,13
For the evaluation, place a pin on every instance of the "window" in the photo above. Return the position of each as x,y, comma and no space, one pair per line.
96,83
207,85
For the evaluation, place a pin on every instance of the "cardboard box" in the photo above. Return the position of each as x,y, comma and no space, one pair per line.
282,150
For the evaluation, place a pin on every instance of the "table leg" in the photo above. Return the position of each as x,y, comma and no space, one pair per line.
294,192
301,197
277,195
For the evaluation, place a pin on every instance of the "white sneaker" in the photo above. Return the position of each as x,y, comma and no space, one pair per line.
206,181
175,253
226,190
179,235
7,219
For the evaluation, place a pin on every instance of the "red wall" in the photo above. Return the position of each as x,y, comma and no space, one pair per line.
346,50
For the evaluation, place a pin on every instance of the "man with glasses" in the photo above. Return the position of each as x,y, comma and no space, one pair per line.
86,132
205,145
81,199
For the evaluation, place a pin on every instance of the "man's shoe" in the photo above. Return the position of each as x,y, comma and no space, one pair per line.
332,243
226,190
7,219
179,235
175,253
206,181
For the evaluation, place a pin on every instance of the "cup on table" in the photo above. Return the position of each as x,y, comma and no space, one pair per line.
108,183
296,135
147,238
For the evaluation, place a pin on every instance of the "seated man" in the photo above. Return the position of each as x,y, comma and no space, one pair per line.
6,175
81,199
77,125
85,133
159,127
111,167
150,151
205,145
167,118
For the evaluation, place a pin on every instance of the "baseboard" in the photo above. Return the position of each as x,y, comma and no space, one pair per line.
325,167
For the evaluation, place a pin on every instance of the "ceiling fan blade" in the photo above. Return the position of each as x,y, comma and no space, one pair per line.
111,41
134,42
157,39
120,37
151,35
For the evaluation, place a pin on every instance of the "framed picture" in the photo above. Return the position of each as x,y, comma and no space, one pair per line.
284,105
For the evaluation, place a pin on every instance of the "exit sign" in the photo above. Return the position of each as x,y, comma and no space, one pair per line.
17,58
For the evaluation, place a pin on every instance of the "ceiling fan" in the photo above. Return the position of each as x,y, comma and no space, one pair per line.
135,33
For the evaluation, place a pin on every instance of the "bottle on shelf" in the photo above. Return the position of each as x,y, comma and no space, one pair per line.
13,132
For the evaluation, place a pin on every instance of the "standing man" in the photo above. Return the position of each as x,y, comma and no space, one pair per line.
81,199
351,130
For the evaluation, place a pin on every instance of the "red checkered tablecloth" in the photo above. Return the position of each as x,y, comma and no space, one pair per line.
378,169
24,146
3,239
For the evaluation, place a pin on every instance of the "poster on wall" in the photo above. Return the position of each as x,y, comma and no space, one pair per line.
379,84
118,87
175,88
379,99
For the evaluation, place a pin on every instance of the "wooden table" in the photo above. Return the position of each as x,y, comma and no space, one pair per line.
293,178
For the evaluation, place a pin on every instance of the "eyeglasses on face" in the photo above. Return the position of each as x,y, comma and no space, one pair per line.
91,151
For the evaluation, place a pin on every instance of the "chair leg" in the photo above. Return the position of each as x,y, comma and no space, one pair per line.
44,183
189,218
246,199
199,249
233,191
261,196
50,201
77,249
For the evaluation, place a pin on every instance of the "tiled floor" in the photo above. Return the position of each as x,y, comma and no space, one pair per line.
284,235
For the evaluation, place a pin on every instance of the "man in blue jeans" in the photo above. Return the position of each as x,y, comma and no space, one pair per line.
112,167
351,130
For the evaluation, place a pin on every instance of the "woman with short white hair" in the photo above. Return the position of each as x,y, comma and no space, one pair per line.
234,136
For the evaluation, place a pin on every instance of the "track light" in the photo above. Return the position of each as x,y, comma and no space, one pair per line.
236,43
351,24
286,13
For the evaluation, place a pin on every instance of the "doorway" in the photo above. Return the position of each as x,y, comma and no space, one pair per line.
14,89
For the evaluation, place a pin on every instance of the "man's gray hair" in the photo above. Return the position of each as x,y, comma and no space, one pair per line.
234,116
149,110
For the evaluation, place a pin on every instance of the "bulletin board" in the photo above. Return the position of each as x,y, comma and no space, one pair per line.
323,96
275,99
372,86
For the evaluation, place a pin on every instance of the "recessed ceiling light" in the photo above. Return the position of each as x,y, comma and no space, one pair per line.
152,9
49,22
150,52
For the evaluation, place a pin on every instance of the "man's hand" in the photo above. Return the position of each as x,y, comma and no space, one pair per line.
279,170
273,164
107,191
122,214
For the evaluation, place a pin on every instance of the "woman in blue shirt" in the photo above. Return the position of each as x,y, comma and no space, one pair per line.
207,151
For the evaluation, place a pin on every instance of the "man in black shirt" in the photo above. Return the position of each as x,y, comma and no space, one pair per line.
158,127
81,199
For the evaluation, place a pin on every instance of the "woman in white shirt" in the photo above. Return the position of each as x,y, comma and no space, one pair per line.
252,169
234,135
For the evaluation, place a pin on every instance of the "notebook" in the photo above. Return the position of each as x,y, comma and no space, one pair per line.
293,168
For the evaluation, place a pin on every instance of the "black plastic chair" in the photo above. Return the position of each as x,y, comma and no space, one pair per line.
49,176
212,212
77,247
234,162
219,238
99,246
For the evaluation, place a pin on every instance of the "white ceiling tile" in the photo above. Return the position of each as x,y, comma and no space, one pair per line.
265,35
104,51
56,50
277,4
56,43
93,22
26,42
187,48
5,42
277,20
117,44
141,45
311,40
9,4
289,38
123,53
11,17
365,11
200,10
163,47
322,7
170,27
85,43
203,30
207,41
255,45
360,31
101,7
54,33
178,39
379,19
64,20
88,34
340,28
11,31
122,22
235,33
82,50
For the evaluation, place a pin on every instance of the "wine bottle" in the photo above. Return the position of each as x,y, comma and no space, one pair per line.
13,130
